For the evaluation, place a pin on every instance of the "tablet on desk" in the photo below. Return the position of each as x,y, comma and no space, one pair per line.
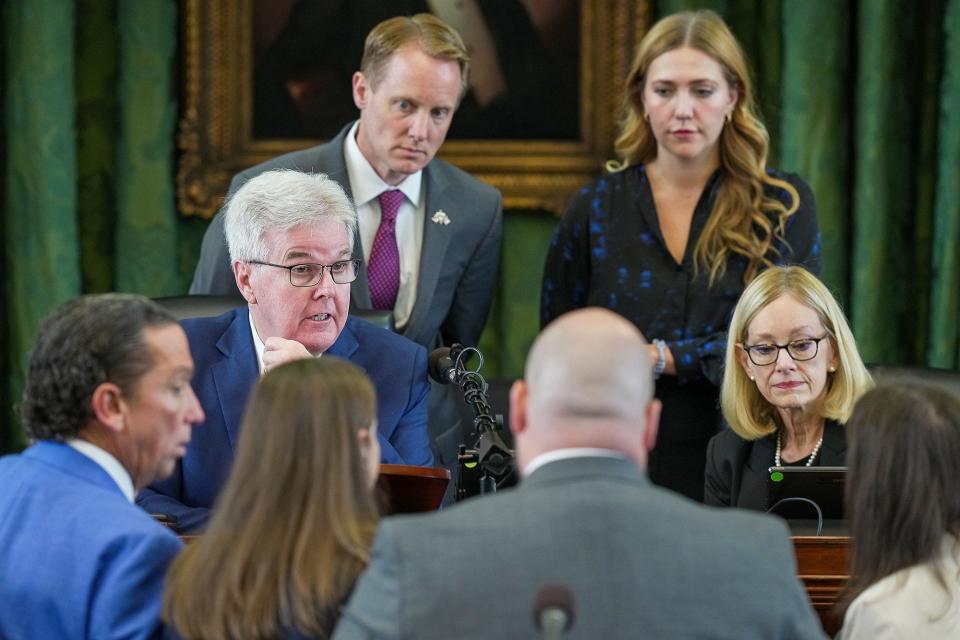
822,485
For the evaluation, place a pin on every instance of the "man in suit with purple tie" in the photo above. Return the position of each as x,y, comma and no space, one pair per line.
291,238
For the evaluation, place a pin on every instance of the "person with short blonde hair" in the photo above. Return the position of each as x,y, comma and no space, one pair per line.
297,516
792,376
438,39
745,409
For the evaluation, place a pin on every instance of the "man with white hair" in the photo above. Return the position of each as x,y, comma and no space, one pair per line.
291,238
637,560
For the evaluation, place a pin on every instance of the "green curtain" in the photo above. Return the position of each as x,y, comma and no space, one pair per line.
943,349
89,107
41,257
861,98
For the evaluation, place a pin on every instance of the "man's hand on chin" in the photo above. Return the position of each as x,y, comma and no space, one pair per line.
277,351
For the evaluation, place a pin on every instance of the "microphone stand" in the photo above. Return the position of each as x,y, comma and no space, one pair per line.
490,454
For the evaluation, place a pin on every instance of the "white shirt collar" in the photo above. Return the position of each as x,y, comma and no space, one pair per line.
365,184
257,343
107,462
571,452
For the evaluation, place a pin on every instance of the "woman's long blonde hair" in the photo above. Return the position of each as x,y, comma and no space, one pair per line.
740,222
292,530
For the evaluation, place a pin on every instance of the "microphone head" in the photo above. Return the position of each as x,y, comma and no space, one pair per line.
556,597
439,364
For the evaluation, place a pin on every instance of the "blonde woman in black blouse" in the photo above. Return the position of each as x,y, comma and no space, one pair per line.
689,214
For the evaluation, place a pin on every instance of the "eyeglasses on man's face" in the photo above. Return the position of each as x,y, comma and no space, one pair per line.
767,353
309,274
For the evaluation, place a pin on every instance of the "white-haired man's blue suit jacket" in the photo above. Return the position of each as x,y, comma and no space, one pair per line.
77,560
226,371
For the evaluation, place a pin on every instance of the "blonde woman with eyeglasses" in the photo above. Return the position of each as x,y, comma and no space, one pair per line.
792,375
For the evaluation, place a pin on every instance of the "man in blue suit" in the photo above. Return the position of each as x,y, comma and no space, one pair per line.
109,404
291,238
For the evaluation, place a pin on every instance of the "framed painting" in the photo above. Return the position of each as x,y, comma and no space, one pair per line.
265,77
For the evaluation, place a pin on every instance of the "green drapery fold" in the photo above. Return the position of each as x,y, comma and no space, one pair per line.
42,259
96,78
90,113
882,187
813,126
944,347
146,240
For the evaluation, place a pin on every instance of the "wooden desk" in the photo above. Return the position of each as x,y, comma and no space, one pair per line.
412,489
822,564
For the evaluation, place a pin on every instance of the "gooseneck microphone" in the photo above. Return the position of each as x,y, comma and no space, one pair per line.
446,366
442,363
553,611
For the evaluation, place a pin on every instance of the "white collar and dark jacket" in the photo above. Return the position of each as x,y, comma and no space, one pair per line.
736,471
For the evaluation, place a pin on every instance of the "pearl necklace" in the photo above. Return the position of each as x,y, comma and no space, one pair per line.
813,454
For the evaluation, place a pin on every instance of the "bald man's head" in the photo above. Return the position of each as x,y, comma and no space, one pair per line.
588,382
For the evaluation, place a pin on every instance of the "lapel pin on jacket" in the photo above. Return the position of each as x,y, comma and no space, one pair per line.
440,217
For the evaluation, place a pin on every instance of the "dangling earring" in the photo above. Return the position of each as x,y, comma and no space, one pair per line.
729,117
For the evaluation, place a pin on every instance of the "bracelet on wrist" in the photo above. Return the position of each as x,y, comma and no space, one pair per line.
661,363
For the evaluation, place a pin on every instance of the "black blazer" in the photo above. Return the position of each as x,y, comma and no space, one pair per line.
736,472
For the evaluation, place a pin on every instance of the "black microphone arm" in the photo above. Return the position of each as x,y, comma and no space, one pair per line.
446,366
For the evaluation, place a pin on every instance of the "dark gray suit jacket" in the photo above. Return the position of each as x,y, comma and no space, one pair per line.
641,561
458,261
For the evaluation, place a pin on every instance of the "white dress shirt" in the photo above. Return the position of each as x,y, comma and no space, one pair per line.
366,187
570,452
107,462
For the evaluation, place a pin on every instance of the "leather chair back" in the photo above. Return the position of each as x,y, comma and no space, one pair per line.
202,306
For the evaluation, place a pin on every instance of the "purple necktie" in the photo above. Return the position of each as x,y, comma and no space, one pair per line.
383,271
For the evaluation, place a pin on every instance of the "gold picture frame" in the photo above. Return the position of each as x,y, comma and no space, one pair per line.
215,137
